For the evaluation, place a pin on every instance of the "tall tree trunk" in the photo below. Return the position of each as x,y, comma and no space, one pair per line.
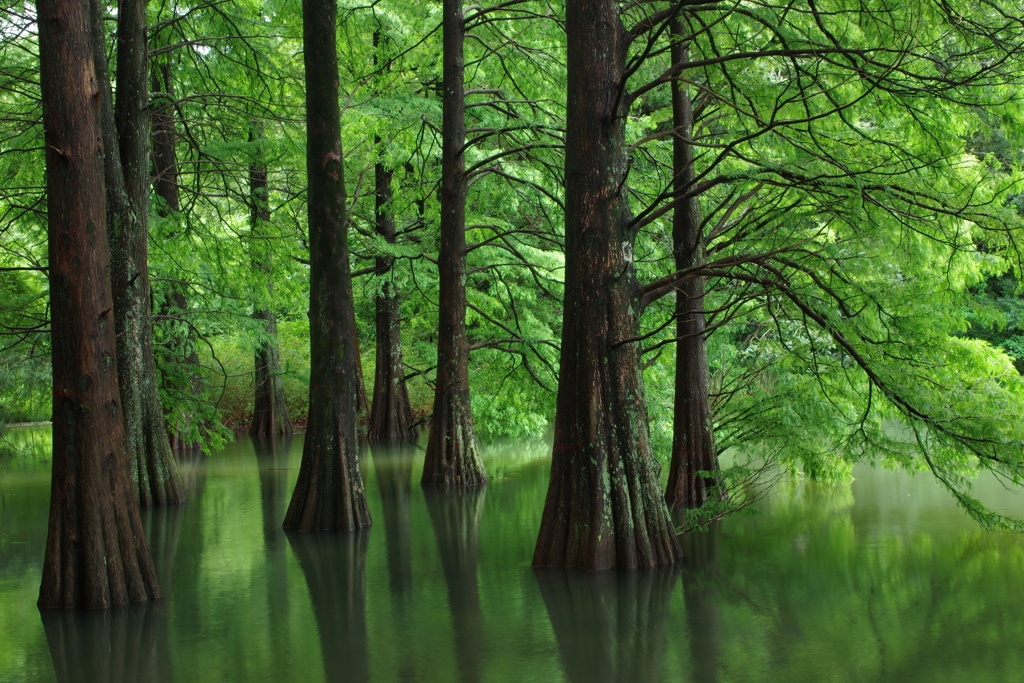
96,554
270,414
453,457
183,378
693,441
604,508
391,418
126,136
329,493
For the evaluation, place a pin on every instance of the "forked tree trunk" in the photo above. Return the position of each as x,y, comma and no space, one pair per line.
604,507
126,136
453,456
270,413
329,492
693,442
183,378
96,555
391,418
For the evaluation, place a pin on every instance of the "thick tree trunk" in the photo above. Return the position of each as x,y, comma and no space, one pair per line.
270,414
96,554
126,136
453,457
329,493
455,517
183,378
604,508
693,442
391,418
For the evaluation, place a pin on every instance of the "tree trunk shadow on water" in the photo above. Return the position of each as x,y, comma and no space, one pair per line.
609,626
128,645
335,569
393,470
455,515
700,578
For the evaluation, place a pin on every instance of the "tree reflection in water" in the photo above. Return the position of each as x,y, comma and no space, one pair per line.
114,646
393,470
610,626
455,516
334,565
700,576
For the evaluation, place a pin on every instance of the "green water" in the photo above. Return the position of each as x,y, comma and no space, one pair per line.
883,580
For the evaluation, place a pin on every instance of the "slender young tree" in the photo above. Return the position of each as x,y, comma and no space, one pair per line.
126,136
270,413
329,493
604,507
96,554
453,457
693,442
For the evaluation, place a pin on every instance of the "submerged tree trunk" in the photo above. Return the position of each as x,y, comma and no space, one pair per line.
270,414
126,136
329,493
96,554
604,508
391,418
453,457
182,377
693,442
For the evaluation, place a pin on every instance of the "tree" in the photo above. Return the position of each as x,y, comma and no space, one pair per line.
453,457
329,493
603,506
126,135
270,414
96,555
693,441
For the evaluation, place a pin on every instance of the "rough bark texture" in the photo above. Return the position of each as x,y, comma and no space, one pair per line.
126,134
329,493
335,571
693,443
453,457
604,507
96,555
455,517
270,413
610,627
391,418
183,377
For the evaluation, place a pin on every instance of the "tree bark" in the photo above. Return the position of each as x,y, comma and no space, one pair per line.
391,418
126,136
453,457
270,413
183,379
96,554
329,493
693,442
604,508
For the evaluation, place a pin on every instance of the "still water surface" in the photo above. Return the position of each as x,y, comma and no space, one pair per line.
883,580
